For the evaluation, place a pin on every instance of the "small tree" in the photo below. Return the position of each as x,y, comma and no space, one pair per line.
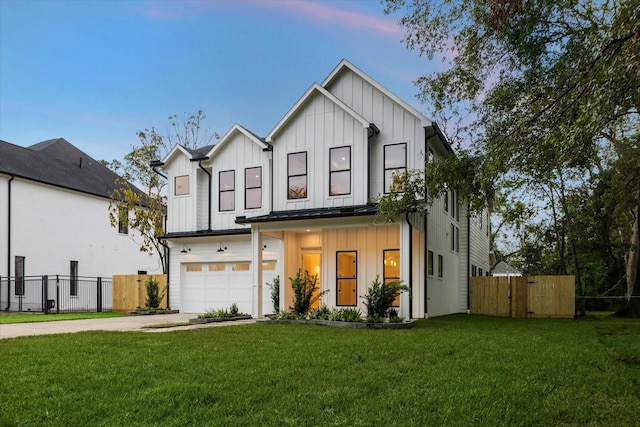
154,296
305,292
380,296
275,293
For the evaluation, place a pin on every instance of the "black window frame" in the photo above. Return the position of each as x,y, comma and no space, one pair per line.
123,226
73,278
338,279
19,270
440,266
385,168
429,263
305,175
338,171
220,191
387,279
175,185
247,188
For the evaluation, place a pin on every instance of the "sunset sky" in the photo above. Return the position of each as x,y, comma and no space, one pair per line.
96,72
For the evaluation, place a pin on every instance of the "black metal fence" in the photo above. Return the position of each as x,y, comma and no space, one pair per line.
56,294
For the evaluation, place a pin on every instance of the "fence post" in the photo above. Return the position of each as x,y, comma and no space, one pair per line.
45,294
57,294
99,296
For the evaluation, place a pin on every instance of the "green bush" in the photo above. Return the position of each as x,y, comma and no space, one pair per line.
321,313
275,293
154,296
233,311
305,292
380,296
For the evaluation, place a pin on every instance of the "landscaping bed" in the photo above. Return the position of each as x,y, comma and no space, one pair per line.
146,312
341,324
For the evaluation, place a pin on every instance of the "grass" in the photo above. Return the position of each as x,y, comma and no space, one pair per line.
39,317
454,370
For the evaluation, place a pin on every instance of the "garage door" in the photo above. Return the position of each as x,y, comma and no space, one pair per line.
211,286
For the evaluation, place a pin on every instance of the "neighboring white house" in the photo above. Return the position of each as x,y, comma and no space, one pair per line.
249,208
54,202
504,269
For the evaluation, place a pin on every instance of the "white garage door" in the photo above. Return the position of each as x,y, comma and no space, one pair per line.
211,286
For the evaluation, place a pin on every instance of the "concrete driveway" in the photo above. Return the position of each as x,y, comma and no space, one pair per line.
124,323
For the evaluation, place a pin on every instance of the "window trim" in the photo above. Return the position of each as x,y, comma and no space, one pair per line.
384,162
306,175
429,263
338,279
333,171
220,191
246,187
384,273
440,266
175,186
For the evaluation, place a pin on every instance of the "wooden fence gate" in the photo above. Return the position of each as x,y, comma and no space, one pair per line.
130,291
523,296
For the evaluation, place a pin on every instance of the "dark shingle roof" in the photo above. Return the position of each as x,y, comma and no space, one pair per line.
200,152
59,163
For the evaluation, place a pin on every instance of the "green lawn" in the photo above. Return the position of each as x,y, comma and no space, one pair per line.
39,317
456,370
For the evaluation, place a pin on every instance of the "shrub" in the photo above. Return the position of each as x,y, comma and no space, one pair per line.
351,315
380,296
154,296
321,313
305,292
223,313
275,293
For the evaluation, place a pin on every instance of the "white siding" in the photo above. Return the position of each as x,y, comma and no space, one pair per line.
51,226
318,126
181,210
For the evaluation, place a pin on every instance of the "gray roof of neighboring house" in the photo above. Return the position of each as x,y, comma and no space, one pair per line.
504,269
59,163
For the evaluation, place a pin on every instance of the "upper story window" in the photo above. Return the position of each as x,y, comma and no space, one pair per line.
446,201
123,220
395,165
227,190
181,187
340,171
253,188
297,175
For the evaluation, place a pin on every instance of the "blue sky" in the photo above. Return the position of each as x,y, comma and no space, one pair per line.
96,72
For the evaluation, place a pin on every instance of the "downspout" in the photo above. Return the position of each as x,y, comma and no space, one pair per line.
410,266
373,132
154,164
9,242
468,258
269,149
208,194
426,270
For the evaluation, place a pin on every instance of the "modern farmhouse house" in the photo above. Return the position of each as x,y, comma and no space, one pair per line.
54,221
248,209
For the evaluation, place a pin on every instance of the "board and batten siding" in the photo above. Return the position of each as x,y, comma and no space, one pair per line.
396,123
318,126
181,210
237,154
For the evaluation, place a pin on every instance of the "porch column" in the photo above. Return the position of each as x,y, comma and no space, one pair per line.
256,262
405,264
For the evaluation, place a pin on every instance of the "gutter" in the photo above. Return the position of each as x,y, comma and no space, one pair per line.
426,269
410,266
9,241
373,132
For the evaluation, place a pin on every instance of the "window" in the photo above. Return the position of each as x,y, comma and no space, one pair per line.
440,266
297,175
457,207
395,165
218,266
454,197
181,187
446,201
430,263
253,188
480,272
123,220
227,191
19,273
240,266
340,171
457,239
474,270
347,277
73,279
268,266
194,267
453,237
391,270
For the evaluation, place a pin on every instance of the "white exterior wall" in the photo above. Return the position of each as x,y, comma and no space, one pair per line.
51,226
479,253
318,126
3,224
238,153
181,210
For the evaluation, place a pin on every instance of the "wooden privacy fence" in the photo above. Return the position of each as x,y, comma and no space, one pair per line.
523,296
130,291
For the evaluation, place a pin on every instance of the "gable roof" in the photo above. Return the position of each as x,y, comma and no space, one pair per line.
346,65
503,269
315,88
59,163
236,128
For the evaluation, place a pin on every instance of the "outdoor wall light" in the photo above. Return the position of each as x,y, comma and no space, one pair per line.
222,249
185,249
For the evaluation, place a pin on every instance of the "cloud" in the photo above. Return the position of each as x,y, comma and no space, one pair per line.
313,10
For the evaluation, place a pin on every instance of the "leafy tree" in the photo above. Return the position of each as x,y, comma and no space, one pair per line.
145,210
550,90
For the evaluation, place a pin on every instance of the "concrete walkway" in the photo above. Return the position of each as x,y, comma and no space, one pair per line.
124,323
